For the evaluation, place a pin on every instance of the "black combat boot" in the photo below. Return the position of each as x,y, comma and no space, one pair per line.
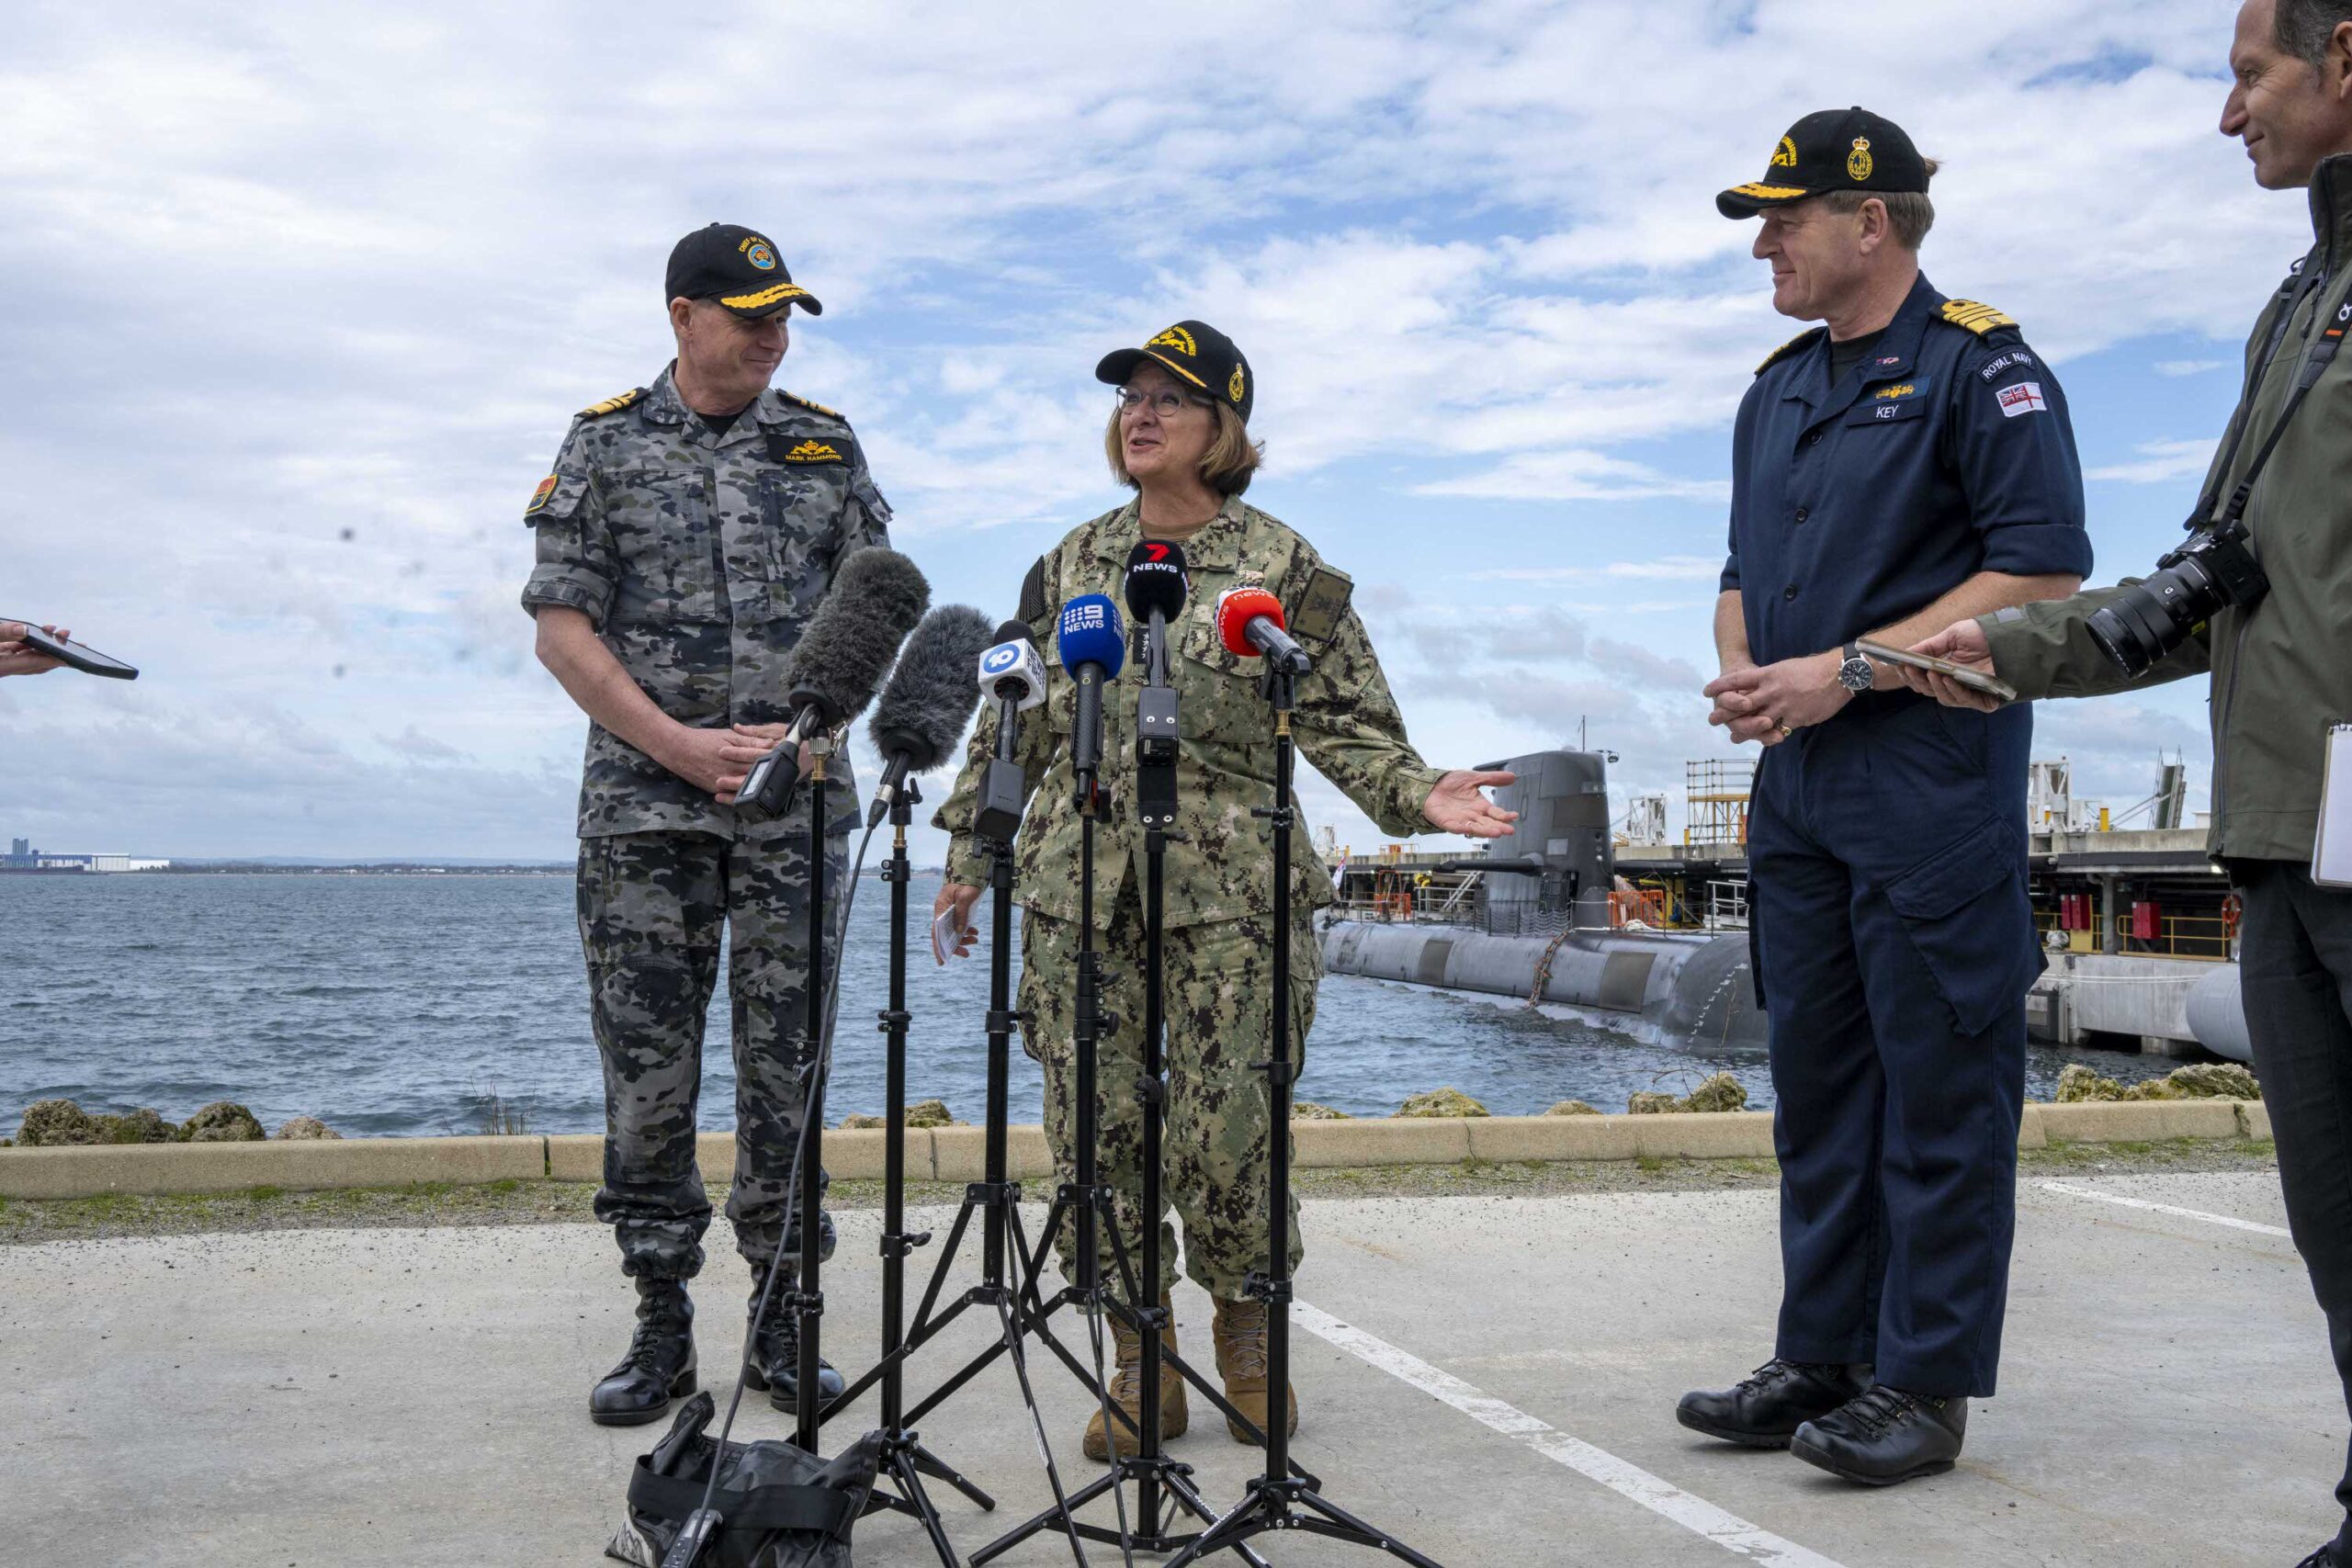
659,1365
1886,1435
775,1357
1764,1410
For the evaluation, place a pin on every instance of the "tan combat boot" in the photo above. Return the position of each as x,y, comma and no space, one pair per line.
1127,1390
1241,1361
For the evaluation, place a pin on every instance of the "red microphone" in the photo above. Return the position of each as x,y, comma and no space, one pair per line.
1249,623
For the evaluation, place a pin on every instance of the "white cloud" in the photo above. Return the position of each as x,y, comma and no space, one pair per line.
2160,462
294,270
2178,367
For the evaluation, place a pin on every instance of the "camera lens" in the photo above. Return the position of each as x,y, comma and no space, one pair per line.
2145,621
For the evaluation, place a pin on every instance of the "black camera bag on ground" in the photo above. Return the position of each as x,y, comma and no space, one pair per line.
781,1507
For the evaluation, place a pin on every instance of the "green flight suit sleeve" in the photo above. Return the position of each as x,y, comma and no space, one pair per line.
1347,724
2045,650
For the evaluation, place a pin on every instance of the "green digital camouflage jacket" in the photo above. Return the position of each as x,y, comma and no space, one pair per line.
2281,669
1346,724
699,558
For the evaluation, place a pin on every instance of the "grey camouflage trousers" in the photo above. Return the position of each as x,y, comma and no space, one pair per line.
1218,995
653,907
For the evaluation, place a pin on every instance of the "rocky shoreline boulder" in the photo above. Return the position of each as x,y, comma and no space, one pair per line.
222,1121
308,1128
1307,1111
1441,1103
2203,1080
1719,1092
1573,1108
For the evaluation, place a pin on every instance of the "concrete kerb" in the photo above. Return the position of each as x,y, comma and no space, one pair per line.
957,1154
157,1169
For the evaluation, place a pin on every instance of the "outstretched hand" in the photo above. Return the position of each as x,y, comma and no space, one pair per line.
1455,804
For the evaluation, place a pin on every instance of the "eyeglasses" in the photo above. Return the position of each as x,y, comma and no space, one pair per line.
1166,404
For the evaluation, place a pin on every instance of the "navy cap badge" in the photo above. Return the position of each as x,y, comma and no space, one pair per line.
1858,163
1785,156
1178,339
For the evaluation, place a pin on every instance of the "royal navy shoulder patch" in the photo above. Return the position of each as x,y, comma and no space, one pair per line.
1802,341
801,403
612,405
1982,320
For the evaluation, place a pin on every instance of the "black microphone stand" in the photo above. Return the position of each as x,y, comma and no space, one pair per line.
1163,1485
1284,1498
808,1300
904,1458
995,1198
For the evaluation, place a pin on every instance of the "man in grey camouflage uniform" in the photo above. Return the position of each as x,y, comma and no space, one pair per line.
1179,437
688,531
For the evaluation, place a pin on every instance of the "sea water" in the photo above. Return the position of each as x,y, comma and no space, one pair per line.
399,1004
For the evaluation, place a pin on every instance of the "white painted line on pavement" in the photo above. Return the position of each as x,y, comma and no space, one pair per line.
2253,1226
1727,1530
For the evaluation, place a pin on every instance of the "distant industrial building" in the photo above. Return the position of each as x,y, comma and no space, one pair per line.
22,856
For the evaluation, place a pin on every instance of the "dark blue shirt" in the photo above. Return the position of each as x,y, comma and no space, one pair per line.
1947,452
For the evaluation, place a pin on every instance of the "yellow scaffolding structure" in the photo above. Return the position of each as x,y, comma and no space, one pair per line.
1717,792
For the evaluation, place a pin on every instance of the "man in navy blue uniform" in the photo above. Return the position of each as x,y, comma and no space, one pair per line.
1907,463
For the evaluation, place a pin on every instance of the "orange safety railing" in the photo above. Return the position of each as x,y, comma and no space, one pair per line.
1643,905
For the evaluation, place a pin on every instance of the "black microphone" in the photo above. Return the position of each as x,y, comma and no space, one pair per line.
1013,674
1156,587
1093,647
929,701
876,597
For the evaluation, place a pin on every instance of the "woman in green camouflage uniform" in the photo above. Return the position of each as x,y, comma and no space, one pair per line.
1179,438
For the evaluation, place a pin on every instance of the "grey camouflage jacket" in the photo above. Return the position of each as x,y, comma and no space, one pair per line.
699,558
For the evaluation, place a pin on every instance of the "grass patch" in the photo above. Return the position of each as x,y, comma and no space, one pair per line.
512,1201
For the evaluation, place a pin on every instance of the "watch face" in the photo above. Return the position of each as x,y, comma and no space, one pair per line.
1856,675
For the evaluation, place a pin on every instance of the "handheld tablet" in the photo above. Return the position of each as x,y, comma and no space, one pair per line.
1974,680
73,655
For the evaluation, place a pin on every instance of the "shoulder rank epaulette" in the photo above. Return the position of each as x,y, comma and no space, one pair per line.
612,405
1982,320
1803,340
812,406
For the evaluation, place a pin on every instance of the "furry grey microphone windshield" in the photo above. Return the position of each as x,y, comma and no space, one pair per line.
876,597
930,696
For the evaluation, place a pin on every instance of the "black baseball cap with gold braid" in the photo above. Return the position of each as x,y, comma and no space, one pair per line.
1834,150
737,266
1195,353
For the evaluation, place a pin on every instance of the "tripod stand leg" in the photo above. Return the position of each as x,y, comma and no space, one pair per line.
1037,1420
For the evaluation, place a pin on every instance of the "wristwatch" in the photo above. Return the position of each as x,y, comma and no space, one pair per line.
1857,673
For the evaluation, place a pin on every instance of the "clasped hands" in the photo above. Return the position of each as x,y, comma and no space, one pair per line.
1768,703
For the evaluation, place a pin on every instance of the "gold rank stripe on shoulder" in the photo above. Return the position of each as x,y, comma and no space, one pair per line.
1786,349
767,296
612,405
797,401
1978,319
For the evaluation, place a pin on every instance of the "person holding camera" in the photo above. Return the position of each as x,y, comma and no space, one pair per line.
18,657
1908,462
2259,598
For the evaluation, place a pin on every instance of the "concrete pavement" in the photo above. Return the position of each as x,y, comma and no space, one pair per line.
1493,1381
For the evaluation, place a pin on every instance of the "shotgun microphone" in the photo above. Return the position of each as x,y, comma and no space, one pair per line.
876,597
929,701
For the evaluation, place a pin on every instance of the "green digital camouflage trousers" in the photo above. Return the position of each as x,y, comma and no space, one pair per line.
653,908
1220,990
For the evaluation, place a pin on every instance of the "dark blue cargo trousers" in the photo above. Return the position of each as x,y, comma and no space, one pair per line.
1895,945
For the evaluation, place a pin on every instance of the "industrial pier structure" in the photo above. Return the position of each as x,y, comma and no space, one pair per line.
1602,914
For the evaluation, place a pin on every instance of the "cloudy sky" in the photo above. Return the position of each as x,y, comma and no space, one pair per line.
300,300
